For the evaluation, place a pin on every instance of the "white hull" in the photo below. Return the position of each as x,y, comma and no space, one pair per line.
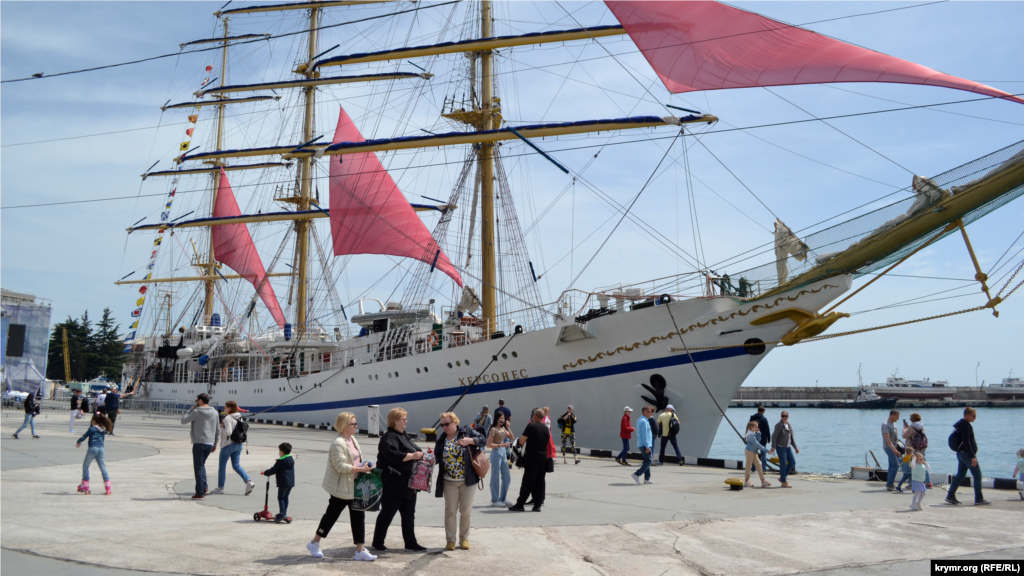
929,392
625,351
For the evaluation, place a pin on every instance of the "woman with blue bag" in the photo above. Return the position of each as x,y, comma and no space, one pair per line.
344,464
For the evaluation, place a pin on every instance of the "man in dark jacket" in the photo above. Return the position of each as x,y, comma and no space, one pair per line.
113,405
284,469
967,459
536,438
31,409
764,433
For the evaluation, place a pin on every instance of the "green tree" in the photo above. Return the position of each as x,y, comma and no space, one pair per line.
78,339
91,352
107,347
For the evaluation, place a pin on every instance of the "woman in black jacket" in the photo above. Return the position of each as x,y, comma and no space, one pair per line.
457,479
396,453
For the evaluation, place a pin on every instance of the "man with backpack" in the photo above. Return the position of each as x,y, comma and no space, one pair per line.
233,434
669,425
962,442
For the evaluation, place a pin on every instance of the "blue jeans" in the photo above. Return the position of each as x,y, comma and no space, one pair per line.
664,444
787,462
282,500
963,465
233,451
200,452
905,471
625,450
30,420
645,468
894,466
96,453
501,477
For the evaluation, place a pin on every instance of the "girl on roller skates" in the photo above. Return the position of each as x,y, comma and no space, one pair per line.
97,433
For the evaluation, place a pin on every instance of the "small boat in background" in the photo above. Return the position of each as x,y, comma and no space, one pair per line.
866,399
1009,389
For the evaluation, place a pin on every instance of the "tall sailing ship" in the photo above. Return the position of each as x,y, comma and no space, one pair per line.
468,324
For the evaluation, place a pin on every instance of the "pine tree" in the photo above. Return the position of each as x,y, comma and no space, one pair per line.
108,347
78,338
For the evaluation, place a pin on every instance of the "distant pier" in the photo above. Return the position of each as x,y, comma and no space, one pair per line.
811,396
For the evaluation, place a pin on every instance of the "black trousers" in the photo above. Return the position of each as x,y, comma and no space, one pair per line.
357,519
113,419
533,483
391,503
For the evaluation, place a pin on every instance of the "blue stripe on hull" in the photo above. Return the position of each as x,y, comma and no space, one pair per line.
626,368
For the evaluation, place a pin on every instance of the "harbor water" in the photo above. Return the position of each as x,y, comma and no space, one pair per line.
833,440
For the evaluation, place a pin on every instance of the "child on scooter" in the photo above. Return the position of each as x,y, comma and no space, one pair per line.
284,469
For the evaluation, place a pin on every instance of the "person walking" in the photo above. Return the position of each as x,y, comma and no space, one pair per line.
230,449
204,434
456,478
31,411
395,456
669,425
98,429
1018,471
625,433
918,468
645,442
504,410
482,422
76,397
889,440
967,458
112,403
754,445
784,443
535,439
918,440
567,424
499,440
764,435
344,463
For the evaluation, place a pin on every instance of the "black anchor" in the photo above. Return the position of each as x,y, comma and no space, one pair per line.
657,388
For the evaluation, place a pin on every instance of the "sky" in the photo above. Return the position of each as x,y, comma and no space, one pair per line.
54,150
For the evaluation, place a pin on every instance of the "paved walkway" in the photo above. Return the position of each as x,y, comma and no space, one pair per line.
596,521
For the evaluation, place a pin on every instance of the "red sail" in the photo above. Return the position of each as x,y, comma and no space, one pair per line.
711,46
369,214
233,246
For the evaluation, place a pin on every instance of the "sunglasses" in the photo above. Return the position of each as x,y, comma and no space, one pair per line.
785,415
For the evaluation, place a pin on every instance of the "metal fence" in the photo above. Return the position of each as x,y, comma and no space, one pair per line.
128,405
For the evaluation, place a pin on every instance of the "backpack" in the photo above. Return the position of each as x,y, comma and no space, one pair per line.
239,434
918,441
954,441
673,425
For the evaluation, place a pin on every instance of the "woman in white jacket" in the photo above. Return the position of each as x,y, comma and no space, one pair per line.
230,450
343,464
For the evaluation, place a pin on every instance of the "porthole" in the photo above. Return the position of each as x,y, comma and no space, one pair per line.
425,369
514,354
417,370
467,362
389,374
376,377
396,374
457,363
504,356
371,378
449,364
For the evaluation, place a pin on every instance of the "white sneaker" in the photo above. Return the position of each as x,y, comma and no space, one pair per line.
648,481
364,556
635,479
314,550
508,504
498,504
217,490
249,487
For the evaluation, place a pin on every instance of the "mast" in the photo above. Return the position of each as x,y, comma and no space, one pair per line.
211,263
305,181
487,177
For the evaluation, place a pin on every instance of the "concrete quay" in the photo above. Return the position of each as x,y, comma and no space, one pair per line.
596,520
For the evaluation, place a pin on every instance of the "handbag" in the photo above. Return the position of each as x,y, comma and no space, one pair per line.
481,466
422,472
516,455
369,487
